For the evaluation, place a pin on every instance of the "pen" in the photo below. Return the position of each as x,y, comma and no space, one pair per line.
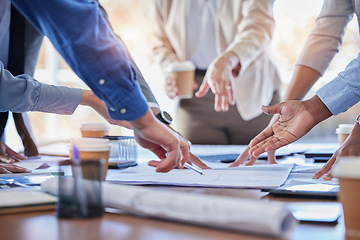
194,168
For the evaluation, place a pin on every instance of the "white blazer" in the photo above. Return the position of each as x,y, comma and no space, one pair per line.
244,27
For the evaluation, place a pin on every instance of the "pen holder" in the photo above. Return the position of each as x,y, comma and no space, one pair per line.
123,151
79,194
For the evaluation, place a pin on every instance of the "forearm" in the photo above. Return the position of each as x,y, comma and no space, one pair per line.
302,81
254,32
24,93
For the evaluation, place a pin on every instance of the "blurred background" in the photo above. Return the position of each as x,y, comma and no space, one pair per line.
132,21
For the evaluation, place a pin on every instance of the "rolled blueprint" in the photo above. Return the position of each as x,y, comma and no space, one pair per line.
244,215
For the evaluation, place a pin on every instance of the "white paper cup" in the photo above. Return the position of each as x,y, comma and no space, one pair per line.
343,131
94,129
347,170
92,149
183,73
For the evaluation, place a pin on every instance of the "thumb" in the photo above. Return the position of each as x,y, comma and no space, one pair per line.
270,110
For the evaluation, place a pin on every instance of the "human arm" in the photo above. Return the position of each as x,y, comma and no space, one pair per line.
163,50
82,36
253,35
319,49
24,93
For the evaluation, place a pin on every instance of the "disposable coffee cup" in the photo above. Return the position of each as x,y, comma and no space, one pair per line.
183,73
347,170
91,149
343,131
94,129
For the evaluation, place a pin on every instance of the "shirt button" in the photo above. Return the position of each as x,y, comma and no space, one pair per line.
67,113
101,81
123,110
112,109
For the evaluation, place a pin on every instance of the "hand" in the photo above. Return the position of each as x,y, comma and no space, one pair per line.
153,135
11,168
192,159
351,147
249,160
90,99
220,79
7,155
252,159
296,119
171,88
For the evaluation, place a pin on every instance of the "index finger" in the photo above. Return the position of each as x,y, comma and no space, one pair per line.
195,160
242,158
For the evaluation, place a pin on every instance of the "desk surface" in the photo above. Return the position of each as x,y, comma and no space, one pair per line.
45,225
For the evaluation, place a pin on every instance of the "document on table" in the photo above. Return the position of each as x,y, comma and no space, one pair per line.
25,201
258,176
248,215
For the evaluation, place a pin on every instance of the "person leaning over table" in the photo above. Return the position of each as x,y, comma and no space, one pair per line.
320,47
82,36
228,41
23,93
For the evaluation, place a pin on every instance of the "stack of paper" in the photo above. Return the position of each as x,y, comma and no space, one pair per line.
248,215
258,176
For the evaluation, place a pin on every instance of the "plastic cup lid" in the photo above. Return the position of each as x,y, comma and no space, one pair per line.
344,128
180,66
91,144
347,167
95,126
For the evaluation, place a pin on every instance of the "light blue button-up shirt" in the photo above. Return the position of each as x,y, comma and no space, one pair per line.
81,35
344,91
24,93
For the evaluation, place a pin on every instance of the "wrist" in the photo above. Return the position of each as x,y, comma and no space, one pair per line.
144,121
86,97
317,109
231,58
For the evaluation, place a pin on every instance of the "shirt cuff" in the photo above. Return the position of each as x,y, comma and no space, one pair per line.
337,96
130,107
58,99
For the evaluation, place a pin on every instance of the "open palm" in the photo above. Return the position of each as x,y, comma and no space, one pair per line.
294,122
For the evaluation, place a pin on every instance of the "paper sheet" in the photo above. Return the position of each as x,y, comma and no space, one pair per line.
248,215
258,176
25,198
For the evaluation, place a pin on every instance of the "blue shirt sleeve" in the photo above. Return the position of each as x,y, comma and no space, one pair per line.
344,90
81,35
23,93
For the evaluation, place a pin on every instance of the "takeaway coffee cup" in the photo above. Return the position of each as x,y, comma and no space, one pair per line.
183,73
343,132
347,170
92,149
94,129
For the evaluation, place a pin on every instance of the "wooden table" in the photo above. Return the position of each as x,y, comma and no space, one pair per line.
45,225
